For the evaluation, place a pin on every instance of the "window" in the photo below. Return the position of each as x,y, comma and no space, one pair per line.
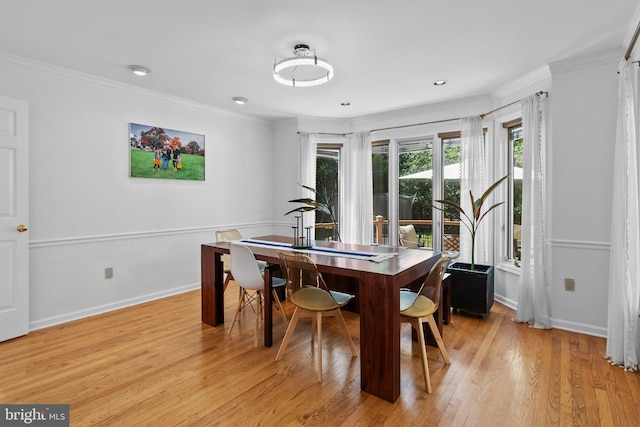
327,182
406,180
415,195
380,169
515,162
451,156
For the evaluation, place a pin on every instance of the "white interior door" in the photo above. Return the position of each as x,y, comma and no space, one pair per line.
14,214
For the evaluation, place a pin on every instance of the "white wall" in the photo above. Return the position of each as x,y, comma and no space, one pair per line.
584,119
86,214
582,106
287,151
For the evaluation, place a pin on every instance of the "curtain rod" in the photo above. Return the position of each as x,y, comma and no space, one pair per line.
509,105
435,121
632,43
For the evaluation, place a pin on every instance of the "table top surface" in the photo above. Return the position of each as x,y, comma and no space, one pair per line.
405,259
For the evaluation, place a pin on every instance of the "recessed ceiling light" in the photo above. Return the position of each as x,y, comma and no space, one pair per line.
139,70
440,83
345,104
241,100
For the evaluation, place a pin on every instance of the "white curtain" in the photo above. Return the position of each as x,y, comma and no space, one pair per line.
307,174
473,178
623,342
533,299
356,224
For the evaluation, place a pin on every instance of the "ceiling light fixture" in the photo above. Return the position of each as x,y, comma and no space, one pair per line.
139,70
303,69
241,100
440,83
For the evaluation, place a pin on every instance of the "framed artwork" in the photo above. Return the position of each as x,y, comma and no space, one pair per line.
163,153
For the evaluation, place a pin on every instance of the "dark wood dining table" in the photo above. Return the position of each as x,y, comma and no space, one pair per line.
378,298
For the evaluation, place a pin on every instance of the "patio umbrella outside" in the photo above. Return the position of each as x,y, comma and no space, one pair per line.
452,172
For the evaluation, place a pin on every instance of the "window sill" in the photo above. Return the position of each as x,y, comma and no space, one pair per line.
509,267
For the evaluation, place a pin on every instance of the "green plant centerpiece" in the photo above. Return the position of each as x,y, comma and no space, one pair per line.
322,203
471,285
471,220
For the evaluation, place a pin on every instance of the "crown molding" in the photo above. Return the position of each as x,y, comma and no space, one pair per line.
307,124
114,85
586,61
533,81
446,110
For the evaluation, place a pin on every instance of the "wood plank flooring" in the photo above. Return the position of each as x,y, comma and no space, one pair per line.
156,364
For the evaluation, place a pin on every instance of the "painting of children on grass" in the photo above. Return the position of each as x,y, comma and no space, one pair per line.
165,153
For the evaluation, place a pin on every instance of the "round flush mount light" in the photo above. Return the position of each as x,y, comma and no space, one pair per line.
139,70
303,69
345,104
439,82
240,100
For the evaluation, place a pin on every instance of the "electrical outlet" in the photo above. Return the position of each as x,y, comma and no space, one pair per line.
569,285
108,273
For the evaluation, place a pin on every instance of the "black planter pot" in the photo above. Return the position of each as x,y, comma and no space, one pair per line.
471,290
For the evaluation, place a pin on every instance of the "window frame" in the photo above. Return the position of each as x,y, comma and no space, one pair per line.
331,146
509,127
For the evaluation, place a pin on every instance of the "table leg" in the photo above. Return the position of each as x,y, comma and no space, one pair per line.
268,308
445,304
380,337
212,286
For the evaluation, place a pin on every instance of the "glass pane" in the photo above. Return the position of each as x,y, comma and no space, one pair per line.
415,167
327,168
451,191
515,136
380,168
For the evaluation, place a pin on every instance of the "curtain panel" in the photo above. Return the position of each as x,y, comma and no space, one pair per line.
356,218
623,343
473,178
307,173
533,298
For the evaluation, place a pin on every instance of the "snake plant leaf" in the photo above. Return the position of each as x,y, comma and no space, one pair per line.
301,209
472,221
489,210
322,204
309,188
306,201
492,187
448,203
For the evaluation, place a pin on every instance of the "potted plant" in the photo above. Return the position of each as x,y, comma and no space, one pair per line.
472,284
322,203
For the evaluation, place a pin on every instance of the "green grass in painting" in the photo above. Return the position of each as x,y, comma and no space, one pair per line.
142,167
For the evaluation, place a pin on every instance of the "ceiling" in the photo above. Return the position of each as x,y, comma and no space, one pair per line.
386,54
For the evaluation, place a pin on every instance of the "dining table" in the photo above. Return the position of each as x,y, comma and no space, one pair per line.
374,273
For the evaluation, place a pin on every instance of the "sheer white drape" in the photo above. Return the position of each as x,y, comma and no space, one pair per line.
357,212
623,342
533,299
307,173
473,178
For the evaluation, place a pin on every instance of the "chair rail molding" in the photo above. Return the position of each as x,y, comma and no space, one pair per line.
580,244
79,240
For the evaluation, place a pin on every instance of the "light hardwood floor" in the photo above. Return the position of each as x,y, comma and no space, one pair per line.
157,364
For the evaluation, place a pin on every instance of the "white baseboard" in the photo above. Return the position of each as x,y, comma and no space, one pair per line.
581,328
565,325
506,301
68,317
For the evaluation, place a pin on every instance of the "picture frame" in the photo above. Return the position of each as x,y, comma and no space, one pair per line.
161,153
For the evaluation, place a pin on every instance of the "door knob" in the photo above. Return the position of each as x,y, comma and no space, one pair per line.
22,228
